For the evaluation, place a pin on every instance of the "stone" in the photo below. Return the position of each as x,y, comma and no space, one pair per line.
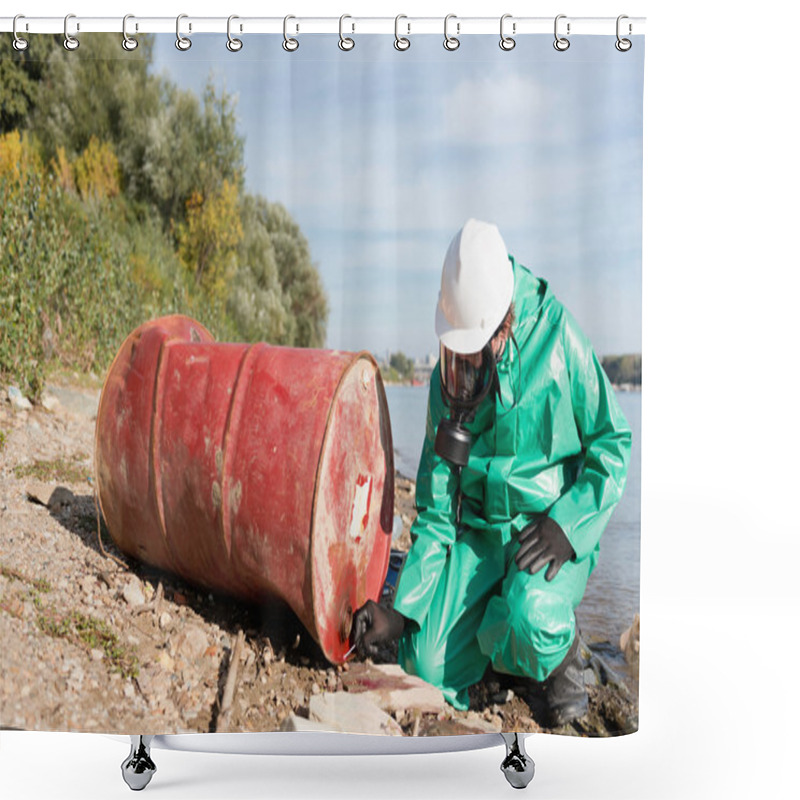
164,621
50,402
295,723
166,661
191,642
629,642
299,697
61,500
76,675
477,724
132,593
18,400
77,401
351,713
392,689
97,655
461,727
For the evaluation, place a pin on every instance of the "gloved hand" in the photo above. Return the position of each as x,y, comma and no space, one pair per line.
374,625
541,542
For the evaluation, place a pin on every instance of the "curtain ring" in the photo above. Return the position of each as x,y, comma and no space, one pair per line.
345,42
507,42
19,43
70,42
128,42
561,43
400,42
289,44
451,42
183,43
623,45
233,44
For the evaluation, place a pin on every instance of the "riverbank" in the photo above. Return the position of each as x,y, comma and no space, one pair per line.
93,645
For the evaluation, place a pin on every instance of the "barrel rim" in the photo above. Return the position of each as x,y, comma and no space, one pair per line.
357,357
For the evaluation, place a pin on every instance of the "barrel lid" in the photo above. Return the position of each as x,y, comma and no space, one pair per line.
353,505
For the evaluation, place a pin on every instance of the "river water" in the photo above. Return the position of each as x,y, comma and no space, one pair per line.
612,595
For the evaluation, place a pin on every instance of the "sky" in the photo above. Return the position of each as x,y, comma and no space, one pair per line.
381,156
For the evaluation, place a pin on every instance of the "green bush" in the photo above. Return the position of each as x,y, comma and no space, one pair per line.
121,199
76,276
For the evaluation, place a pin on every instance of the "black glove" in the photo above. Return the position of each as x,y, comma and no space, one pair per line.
540,542
374,625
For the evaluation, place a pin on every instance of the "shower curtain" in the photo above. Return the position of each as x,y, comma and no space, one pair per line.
329,196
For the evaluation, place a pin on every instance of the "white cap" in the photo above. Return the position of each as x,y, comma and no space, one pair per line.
477,288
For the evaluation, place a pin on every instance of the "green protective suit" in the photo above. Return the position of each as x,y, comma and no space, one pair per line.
554,442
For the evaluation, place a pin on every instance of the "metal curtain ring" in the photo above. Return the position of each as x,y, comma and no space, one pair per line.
70,42
345,42
128,42
451,42
233,44
561,43
183,43
289,44
507,42
623,45
19,43
400,42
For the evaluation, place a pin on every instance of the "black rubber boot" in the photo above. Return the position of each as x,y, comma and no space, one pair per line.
564,689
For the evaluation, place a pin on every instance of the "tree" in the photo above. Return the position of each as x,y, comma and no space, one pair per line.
96,171
98,90
20,79
257,303
403,365
188,148
121,198
298,277
208,239
277,296
169,145
624,369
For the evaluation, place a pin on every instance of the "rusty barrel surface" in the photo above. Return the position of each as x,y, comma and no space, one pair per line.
251,469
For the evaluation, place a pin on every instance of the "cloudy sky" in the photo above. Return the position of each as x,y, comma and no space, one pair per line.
381,156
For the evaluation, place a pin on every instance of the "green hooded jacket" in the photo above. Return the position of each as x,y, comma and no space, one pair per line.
554,441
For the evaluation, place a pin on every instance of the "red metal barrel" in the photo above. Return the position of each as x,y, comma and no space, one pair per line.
252,469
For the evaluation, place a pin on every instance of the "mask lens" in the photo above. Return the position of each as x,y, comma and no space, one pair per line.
465,377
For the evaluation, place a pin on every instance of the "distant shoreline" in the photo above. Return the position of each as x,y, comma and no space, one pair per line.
617,387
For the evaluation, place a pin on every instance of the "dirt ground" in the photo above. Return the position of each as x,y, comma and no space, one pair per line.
90,645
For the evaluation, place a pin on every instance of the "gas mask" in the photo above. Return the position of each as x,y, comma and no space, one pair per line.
466,379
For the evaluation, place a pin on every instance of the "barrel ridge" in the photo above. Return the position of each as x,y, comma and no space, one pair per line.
238,395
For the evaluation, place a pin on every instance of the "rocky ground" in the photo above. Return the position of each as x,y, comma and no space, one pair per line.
90,644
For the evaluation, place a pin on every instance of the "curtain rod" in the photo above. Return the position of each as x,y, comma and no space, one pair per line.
459,26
